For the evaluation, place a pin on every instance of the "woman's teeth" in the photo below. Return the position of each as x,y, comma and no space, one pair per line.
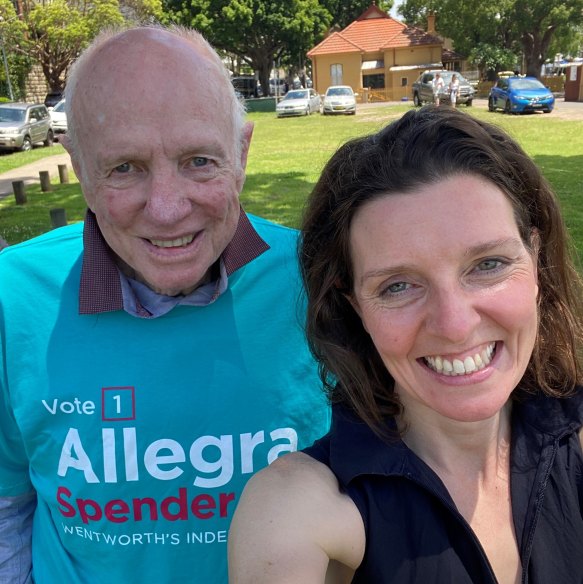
461,367
180,242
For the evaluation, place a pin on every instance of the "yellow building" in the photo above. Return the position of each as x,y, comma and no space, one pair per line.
378,56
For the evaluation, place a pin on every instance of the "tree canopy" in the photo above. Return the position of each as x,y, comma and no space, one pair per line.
262,33
502,34
54,32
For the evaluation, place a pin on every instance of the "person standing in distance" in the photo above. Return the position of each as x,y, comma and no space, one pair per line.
438,85
151,360
454,87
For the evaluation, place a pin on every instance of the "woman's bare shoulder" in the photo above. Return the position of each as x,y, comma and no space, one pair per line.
291,510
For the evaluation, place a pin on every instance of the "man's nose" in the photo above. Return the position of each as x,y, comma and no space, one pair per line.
168,198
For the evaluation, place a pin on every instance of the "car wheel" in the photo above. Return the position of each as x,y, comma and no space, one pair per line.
50,138
26,144
469,103
416,100
491,107
547,111
507,109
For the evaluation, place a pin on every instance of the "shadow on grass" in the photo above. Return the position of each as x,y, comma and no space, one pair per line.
278,197
21,222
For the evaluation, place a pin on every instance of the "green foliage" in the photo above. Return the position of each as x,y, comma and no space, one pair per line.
257,31
525,27
490,58
12,37
58,30
343,12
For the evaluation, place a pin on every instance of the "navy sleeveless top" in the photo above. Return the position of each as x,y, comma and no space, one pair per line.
414,533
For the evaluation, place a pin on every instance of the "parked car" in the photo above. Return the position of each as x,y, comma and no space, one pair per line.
423,88
339,99
53,98
247,85
278,86
298,102
24,124
517,95
58,118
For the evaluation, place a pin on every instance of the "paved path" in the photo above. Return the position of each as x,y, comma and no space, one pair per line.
29,173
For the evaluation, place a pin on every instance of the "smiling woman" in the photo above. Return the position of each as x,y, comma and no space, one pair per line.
446,315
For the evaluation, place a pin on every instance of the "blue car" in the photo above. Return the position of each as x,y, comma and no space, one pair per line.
516,95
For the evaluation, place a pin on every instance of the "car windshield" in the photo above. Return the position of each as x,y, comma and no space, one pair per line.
60,107
339,91
525,84
296,94
8,114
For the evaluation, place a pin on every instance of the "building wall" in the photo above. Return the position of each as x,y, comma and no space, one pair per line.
406,57
351,64
35,86
352,69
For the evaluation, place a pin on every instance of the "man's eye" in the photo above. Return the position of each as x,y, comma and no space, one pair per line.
199,161
123,168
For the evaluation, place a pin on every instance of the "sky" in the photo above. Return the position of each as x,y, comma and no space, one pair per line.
393,11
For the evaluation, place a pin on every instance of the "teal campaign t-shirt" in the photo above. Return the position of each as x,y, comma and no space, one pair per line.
139,435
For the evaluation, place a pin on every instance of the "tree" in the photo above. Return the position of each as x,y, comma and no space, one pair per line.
343,12
258,32
538,22
523,27
14,65
58,30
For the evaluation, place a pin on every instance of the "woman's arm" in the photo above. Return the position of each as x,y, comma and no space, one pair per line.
293,526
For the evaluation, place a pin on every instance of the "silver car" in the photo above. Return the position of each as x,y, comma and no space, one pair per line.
58,118
298,102
24,124
339,99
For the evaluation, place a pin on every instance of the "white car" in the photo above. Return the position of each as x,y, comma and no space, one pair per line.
59,118
298,102
339,99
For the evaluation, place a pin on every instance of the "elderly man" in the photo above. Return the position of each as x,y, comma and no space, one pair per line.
152,359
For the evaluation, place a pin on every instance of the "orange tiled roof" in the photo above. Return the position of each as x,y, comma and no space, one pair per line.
335,43
373,32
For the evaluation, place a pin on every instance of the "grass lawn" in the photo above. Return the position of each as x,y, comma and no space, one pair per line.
11,160
287,156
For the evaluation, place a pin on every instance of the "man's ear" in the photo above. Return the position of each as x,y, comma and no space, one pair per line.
65,141
74,155
245,138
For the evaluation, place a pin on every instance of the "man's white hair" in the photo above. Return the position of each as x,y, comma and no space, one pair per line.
79,70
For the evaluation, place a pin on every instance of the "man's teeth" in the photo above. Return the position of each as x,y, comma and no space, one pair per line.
459,367
180,242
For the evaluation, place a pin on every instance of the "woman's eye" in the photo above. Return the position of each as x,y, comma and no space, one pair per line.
396,287
489,264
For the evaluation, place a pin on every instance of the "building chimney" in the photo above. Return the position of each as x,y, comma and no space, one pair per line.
431,23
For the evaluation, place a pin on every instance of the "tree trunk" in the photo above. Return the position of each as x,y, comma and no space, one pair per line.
535,49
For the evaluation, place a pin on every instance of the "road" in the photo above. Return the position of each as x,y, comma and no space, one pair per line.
568,110
29,173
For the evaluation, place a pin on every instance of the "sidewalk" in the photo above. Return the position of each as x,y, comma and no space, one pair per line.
29,173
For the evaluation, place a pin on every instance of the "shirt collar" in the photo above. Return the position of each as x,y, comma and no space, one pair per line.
100,288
